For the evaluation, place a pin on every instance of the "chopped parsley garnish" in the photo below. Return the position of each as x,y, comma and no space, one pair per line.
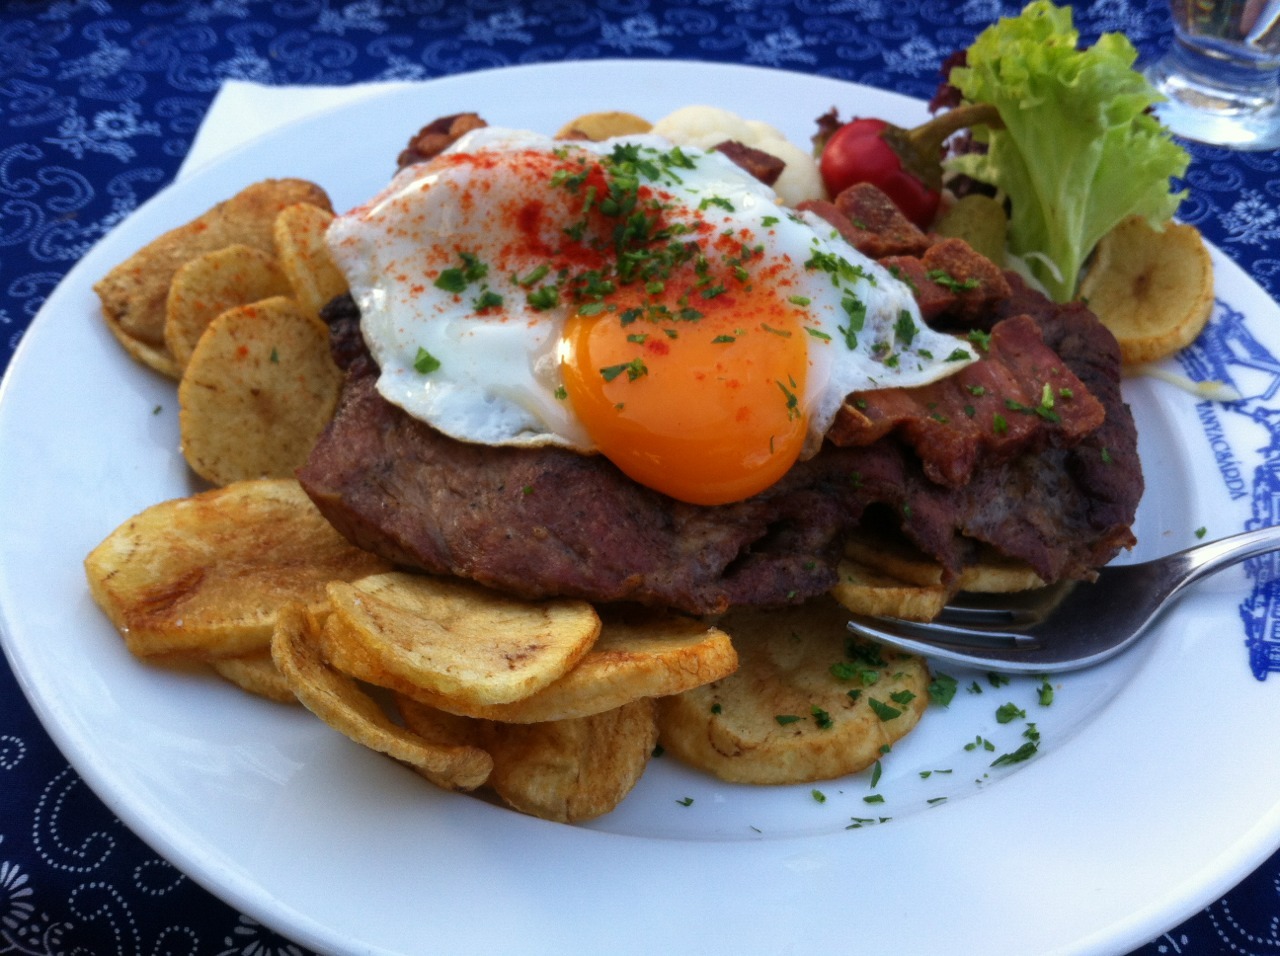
942,689
718,201
488,299
793,403
457,279
883,710
1025,752
982,340
948,281
1045,693
905,328
634,369
424,362
1006,713
543,298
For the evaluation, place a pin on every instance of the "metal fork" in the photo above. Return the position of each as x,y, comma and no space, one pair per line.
1064,627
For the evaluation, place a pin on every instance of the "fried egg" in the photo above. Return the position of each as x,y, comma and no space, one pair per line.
651,303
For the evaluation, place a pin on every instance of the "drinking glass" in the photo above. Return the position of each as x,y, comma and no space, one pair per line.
1221,77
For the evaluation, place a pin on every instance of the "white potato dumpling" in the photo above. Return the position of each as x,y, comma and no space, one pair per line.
709,126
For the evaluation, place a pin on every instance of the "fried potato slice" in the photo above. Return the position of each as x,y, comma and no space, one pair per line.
1152,288
572,770
638,656
603,125
134,294
865,590
892,556
211,283
339,702
808,701
259,389
996,574
299,239
256,674
205,576
461,641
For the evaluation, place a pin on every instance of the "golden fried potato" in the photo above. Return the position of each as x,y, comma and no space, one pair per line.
211,283
340,703
1152,288
205,576
892,556
646,655
134,294
808,701
460,641
300,247
257,674
604,125
864,590
996,574
571,770
259,389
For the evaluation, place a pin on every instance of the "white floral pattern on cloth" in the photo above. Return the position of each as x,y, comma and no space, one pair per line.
99,101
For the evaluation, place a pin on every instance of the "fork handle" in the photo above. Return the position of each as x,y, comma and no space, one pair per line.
1205,559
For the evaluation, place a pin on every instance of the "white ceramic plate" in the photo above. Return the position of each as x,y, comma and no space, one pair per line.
1156,788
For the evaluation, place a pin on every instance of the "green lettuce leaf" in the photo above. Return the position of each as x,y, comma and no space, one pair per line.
1079,151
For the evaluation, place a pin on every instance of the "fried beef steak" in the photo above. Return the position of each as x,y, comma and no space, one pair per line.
1030,451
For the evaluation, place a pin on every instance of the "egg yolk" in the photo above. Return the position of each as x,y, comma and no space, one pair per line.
705,410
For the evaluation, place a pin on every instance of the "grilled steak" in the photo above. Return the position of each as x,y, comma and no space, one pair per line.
542,522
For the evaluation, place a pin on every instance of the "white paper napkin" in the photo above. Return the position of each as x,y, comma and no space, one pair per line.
242,111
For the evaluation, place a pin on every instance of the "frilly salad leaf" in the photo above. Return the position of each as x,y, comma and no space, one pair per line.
1079,150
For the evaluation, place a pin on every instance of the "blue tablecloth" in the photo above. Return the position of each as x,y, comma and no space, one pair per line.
99,101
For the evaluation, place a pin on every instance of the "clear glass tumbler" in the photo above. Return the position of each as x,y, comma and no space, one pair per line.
1222,74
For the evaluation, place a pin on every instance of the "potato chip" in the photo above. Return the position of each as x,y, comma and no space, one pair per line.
1152,288
340,703
459,640
259,389
205,576
643,655
210,284
866,591
134,294
604,125
257,674
808,701
572,770
304,257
